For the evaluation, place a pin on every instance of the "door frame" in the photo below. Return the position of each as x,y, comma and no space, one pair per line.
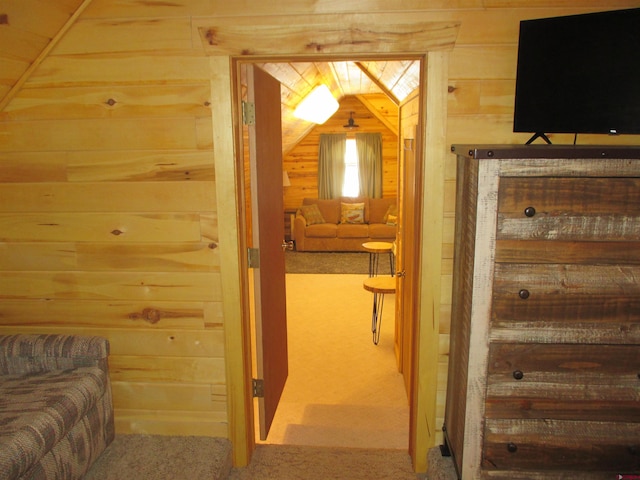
228,164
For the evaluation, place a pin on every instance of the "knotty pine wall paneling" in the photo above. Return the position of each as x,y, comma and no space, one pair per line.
301,163
108,217
107,205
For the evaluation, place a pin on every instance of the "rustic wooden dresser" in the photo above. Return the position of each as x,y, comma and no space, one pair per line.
544,366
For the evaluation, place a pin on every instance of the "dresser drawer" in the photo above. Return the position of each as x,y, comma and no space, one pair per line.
572,382
575,195
549,303
569,209
559,444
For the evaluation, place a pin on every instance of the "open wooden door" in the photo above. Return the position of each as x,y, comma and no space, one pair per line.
409,213
407,260
262,115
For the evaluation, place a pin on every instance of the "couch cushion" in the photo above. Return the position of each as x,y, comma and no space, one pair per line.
38,410
352,213
322,230
330,208
381,230
391,217
378,208
311,214
353,230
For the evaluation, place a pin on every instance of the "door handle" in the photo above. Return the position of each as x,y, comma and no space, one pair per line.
287,245
401,274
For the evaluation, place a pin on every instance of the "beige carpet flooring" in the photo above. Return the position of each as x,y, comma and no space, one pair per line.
342,390
293,462
344,412
155,457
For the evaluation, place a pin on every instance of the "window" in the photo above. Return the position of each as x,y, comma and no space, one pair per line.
351,185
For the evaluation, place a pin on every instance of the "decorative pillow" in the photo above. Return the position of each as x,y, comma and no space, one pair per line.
391,217
311,214
352,213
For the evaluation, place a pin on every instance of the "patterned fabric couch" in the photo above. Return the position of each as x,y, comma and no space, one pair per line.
56,413
344,224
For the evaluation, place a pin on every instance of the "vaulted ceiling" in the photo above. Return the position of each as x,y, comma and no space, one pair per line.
30,29
379,85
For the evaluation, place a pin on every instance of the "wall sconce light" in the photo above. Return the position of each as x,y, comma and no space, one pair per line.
318,106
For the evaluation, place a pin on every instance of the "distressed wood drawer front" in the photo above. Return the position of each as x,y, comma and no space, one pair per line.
550,303
547,445
577,195
545,251
572,382
569,209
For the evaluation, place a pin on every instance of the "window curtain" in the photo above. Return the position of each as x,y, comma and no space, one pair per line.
331,164
369,146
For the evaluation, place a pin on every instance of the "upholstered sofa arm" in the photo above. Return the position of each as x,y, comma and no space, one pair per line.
299,225
23,353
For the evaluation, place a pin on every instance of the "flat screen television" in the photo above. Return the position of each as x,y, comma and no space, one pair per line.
579,74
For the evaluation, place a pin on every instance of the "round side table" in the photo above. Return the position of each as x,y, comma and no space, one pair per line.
375,249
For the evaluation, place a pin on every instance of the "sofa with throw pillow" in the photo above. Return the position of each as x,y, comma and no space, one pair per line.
344,224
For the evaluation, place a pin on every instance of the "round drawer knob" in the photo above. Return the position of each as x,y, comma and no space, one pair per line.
529,211
524,294
518,375
512,447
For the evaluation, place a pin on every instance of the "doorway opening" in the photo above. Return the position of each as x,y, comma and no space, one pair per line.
299,424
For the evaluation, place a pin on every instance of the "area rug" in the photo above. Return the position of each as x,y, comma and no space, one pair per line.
332,262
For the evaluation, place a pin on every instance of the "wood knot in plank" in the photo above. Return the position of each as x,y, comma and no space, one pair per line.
4,19
315,46
111,102
211,36
451,88
116,232
213,245
150,315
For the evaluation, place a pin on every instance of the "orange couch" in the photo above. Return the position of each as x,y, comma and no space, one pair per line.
344,224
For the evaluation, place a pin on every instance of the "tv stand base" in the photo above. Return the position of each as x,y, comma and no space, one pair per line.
536,135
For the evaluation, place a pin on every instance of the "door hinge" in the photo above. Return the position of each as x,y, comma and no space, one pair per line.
248,113
253,257
258,387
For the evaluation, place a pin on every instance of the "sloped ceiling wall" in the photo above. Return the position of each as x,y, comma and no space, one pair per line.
29,29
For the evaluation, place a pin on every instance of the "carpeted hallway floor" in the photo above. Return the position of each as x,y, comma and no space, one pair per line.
343,415
342,390
152,457
291,462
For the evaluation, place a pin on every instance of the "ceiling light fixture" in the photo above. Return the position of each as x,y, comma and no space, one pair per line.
351,123
318,106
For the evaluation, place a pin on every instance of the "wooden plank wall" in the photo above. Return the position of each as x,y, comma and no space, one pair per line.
108,217
301,163
107,184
